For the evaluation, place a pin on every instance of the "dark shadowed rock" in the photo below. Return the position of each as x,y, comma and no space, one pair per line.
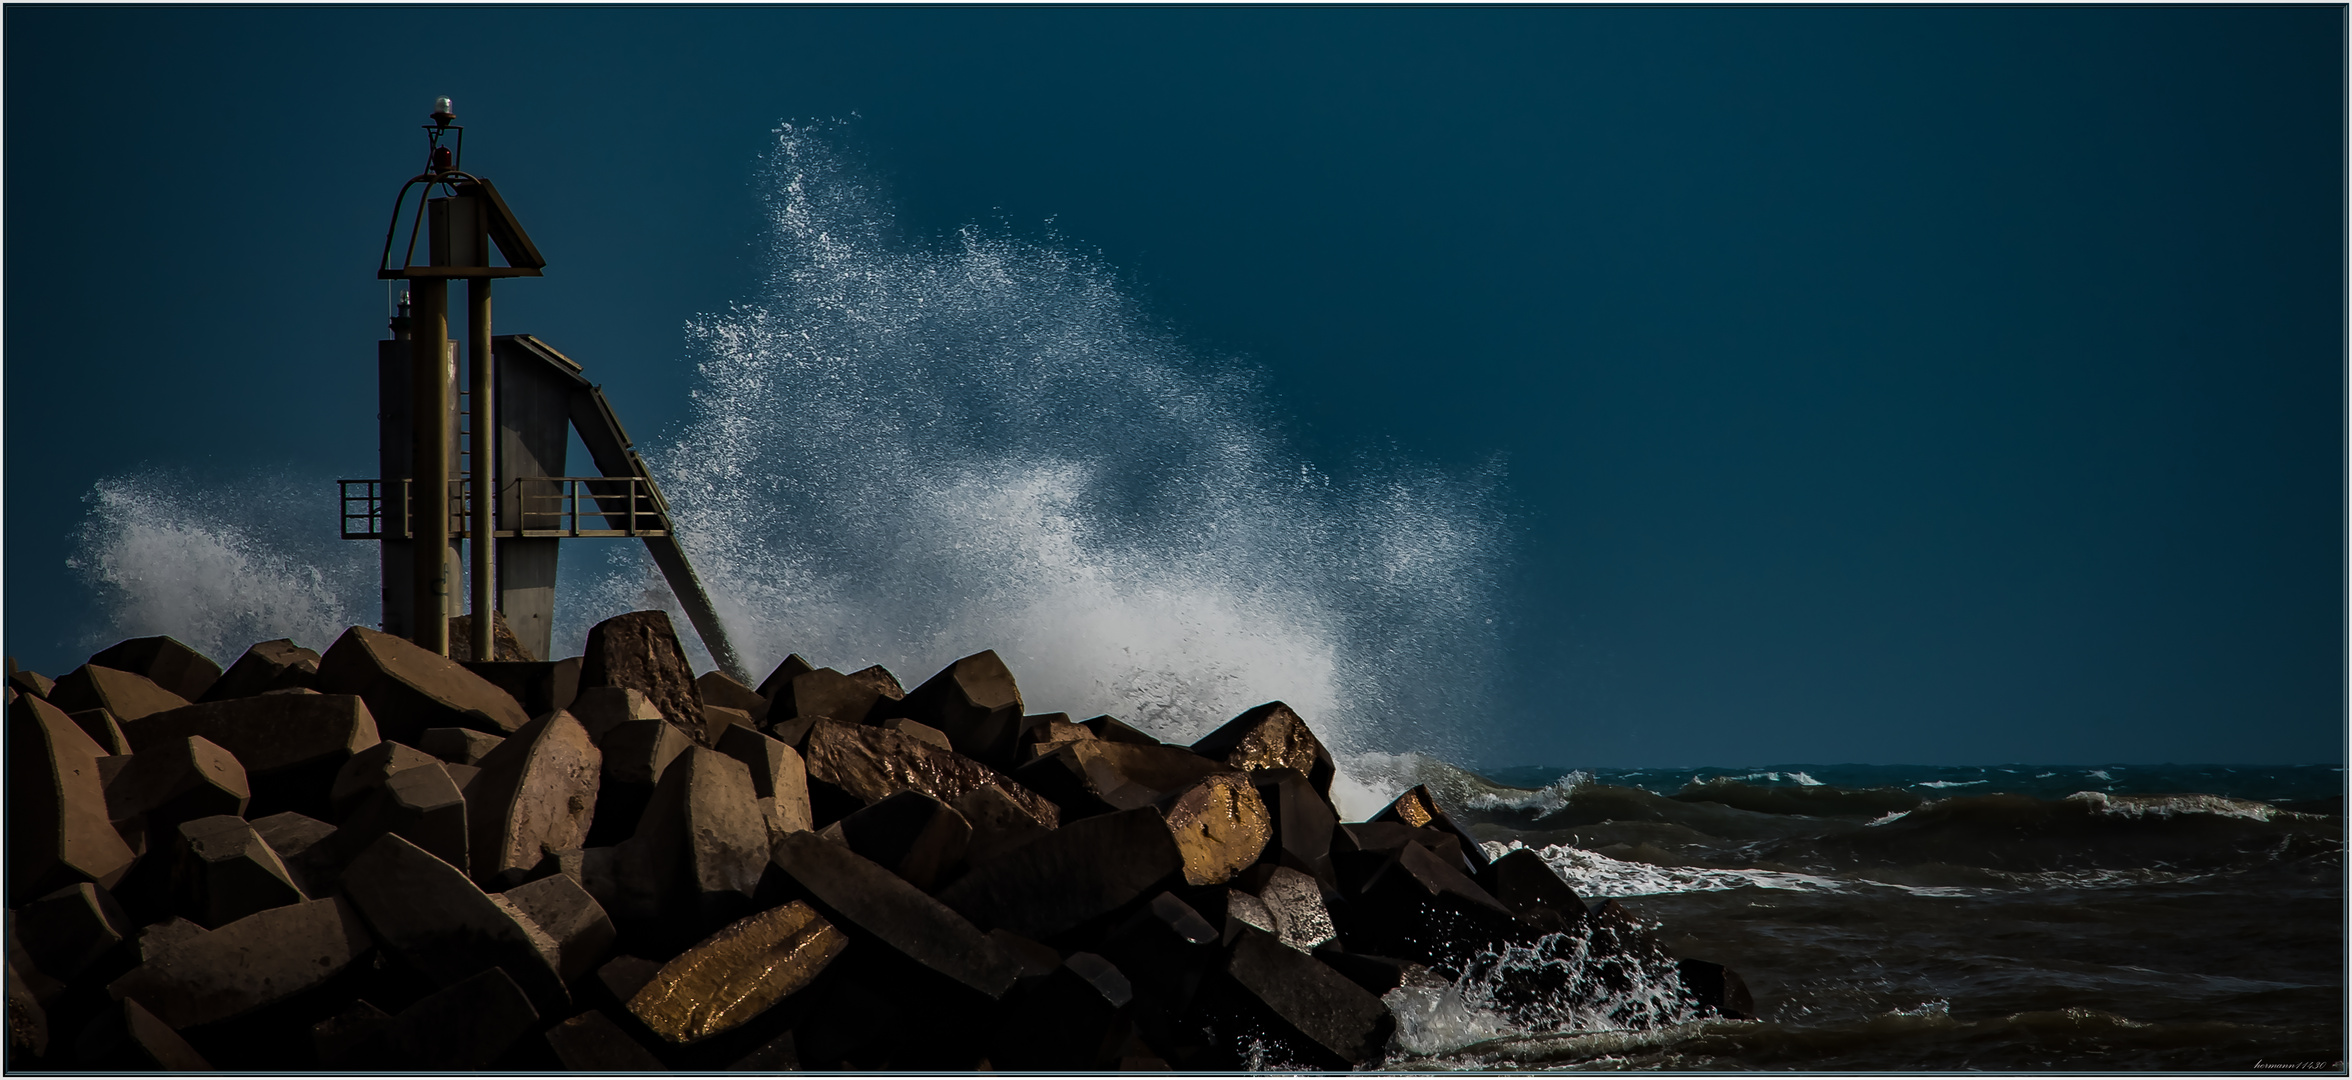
28,1022
1419,809
68,930
331,1039
540,686
603,708
1085,777
102,729
225,872
128,696
177,780
1419,906
977,704
422,804
128,1038
582,932
290,744
457,746
1072,874
865,765
826,693
462,1027
733,976
858,895
640,650
1717,988
505,647
783,675
59,833
717,719
697,854
536,793
1220,825
1111,729
1534,892
1075,1015
998,823
910,834
1165,949
30,682
258,960
302,844
1271,736
1321,1004
591,1042
1303,823
153,940
363,773
164,661
719,688
267,666
1376,974
409,688
448,929
1041,735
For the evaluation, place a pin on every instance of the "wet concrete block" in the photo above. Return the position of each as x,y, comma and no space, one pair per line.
790,668
409,688
291,745
178,780
1418,808
421,804
998,823
1093,776
641,650
1271,736
1077,872
102,729
1112,729
539,686
363,773
603,708
1220,825
591,1042
68,930
253,962
885,684
128,1038
59,830
719,688
1530,888
226,871
128,696
1325,1006
462,1027
733,976
862,765
859,896
447,928
457,746
267,666
582,932
536,793
1717,988
910,834
976,702
164,661
778,778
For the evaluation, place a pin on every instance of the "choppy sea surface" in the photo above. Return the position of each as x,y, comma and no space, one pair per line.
1895,918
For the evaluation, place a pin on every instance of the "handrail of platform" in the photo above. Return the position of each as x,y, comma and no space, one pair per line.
547,506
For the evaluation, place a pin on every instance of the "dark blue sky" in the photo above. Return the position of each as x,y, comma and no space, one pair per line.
1901,385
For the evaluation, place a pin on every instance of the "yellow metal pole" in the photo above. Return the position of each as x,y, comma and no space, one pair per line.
428,499
485,439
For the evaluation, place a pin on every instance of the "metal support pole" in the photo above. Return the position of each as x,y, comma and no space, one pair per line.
428,503
485,438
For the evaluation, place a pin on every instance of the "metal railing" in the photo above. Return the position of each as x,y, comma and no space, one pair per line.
546,506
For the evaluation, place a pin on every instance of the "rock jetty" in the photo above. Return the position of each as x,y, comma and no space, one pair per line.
383,859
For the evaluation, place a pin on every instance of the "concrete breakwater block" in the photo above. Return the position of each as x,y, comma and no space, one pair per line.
164,661
905,881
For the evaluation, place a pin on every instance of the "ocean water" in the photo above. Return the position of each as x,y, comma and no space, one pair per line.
905,449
